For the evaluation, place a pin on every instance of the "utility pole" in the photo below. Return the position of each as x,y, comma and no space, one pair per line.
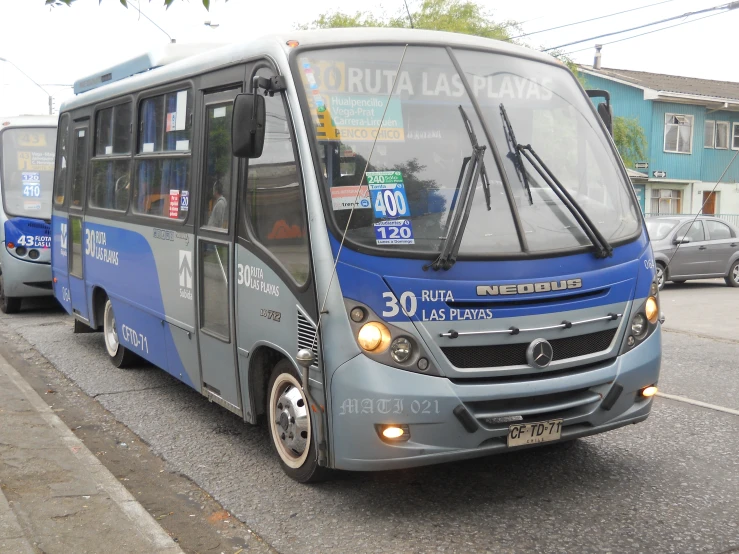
51,100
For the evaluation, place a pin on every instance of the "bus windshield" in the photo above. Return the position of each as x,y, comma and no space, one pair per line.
28,171
408,196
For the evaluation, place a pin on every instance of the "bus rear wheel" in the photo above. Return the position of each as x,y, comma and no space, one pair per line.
120,356
290,426
8,305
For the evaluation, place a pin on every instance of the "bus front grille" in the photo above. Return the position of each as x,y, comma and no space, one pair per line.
500,355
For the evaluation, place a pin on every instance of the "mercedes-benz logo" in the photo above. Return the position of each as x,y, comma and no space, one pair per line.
539,354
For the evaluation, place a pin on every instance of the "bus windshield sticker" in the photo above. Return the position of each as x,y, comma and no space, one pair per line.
184,201
219,112
389,199
171,122
31,206
357,118
182,145
148,147
343,198
394,231
174,203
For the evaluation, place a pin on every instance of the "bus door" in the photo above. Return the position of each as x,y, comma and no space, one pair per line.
215,253
75,232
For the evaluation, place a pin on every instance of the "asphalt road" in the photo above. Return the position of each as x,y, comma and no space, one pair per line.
670,484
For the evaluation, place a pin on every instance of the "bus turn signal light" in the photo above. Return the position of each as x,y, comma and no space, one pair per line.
648,392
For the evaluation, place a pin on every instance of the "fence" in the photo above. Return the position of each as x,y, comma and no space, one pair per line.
730,218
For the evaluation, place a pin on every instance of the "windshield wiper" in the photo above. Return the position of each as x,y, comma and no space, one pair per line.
518,161
466,192
602,248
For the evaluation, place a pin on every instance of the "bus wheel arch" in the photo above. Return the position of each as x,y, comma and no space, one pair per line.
261,363
99,298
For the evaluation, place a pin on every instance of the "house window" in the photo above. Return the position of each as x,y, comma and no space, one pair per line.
709,134
679,133
666,202
722,135
735,137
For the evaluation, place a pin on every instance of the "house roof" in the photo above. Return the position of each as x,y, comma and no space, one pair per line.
708,88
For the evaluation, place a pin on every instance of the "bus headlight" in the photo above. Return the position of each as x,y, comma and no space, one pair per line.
651,307
401,349
638,325
373,337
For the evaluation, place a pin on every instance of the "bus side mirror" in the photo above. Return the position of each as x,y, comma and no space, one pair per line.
604,108
247,126
605,113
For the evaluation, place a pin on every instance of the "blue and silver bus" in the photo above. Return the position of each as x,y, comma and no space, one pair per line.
395,247
26,178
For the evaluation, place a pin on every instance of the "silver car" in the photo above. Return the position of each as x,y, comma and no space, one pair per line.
689,248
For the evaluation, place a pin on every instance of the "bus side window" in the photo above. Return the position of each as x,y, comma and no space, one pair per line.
161,180
60,179
111,166
276,209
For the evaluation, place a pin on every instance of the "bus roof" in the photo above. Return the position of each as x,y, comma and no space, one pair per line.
170,68
28,121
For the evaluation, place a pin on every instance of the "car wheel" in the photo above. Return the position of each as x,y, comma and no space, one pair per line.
732,279
290,426
8,305
120,356
661,275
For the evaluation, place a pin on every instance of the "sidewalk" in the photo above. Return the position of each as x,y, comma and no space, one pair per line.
55,495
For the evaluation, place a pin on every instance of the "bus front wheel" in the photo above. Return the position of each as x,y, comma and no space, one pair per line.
8,305
290,425
120,356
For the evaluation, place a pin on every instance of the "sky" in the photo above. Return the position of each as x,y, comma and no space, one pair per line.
56,46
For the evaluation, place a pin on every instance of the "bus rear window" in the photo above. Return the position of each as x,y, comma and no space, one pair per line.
28,171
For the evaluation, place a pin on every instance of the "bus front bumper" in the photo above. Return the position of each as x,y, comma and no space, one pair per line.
366,395
24,278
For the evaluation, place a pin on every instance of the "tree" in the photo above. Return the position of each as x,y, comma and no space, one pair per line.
167,3
456,16
630,139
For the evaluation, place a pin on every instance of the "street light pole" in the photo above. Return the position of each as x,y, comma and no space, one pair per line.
51,101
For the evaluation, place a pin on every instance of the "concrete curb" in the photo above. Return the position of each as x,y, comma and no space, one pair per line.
143,521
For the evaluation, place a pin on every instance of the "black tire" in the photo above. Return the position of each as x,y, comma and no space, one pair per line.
732,279
285,394
120,356
661,275
8,305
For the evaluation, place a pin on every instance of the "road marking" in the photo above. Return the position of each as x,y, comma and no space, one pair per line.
698,403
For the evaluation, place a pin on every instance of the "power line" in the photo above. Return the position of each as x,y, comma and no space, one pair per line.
588,20
647,33
728,7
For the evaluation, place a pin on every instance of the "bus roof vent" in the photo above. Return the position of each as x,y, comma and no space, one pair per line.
157,58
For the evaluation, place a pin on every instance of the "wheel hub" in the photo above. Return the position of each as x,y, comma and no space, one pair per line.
291,421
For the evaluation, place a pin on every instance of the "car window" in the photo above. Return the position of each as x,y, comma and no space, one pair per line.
718,230
660,228
694,231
